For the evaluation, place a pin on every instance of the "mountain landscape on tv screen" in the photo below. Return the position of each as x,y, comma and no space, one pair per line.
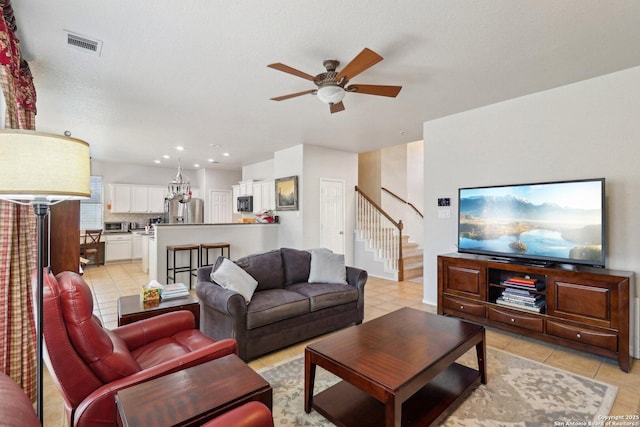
511,224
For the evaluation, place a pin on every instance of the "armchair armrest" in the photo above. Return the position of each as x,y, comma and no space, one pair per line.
102,400
142,332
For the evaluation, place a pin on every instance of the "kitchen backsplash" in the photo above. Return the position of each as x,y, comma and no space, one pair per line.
140,218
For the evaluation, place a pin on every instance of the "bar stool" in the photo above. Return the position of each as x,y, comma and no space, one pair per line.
204,251
173,270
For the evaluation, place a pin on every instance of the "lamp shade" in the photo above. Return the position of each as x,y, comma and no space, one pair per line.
36,165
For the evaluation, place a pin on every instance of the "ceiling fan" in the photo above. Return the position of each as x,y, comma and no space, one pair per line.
332,84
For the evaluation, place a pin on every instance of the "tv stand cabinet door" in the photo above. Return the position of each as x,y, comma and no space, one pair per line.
594,302
465,278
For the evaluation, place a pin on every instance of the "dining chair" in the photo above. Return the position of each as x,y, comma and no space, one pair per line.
91,246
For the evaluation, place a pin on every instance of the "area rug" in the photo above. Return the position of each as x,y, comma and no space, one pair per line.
520,392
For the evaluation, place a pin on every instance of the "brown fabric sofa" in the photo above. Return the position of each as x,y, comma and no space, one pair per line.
284,309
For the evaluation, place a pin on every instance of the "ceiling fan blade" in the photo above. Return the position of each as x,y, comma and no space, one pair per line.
292,95
391,91
285,68
365,59
336,108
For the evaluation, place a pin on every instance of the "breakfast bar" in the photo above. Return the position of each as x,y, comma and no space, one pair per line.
243,239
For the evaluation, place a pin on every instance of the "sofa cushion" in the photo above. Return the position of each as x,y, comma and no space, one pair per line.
273,305
266,268
323,295
296,265
231,276
327,267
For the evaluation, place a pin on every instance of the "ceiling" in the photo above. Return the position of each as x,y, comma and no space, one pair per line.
194,72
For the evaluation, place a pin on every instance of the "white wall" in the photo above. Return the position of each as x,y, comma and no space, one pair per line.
128,173
262,171
393,177
301,229
402,172
588,129
326,163
289,162
415,174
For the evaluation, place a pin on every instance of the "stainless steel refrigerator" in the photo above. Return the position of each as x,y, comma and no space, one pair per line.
177,212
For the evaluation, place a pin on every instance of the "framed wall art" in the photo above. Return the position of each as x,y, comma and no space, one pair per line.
287,193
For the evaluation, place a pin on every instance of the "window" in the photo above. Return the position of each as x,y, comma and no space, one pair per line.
91,209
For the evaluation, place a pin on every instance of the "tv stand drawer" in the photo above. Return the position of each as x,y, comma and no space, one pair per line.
468,307
532,323
606,340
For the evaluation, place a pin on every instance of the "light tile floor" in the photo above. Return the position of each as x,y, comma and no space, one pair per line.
381,296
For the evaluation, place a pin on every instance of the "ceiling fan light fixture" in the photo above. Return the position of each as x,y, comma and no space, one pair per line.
330,94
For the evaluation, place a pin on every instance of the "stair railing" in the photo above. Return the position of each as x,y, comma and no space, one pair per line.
381,232
411,205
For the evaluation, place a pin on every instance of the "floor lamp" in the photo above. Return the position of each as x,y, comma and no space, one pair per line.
40,170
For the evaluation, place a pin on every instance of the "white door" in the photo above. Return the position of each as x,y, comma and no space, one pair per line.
220,206
332,214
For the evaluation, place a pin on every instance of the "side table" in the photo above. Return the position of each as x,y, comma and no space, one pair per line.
192,396
131,308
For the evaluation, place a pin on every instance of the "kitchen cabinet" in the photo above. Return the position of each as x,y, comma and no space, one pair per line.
246,188
147,199
118,247
136,246
264,196
120,198
235,191
128,198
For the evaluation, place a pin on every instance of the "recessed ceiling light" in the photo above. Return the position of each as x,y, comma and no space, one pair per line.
196,165
156,161
226,154
211,160
166,156
180,148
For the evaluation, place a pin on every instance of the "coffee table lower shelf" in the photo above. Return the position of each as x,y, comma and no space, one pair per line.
346,405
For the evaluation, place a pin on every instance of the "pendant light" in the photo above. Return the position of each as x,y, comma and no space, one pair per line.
180,186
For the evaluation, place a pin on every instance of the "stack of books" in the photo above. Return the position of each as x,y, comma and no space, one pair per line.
525,282
174,290
522,299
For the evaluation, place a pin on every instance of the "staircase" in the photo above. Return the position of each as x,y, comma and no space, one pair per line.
412,258
382,238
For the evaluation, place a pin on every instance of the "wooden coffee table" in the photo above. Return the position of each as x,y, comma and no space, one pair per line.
131,308
192,396
398,370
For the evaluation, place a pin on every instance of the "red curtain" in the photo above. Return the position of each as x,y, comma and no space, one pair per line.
17,223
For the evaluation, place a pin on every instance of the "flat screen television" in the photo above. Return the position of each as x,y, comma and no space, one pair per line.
542,223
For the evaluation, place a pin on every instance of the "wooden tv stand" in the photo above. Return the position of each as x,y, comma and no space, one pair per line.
586,308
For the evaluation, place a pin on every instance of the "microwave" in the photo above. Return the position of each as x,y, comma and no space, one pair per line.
245,204
116,227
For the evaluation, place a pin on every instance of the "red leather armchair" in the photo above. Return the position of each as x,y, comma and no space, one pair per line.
89,363
16,410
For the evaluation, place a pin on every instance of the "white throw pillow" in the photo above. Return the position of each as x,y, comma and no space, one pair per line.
327,267
230,276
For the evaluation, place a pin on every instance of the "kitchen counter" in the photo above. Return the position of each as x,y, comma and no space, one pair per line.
244,238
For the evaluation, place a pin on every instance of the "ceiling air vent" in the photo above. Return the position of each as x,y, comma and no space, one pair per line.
84,43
